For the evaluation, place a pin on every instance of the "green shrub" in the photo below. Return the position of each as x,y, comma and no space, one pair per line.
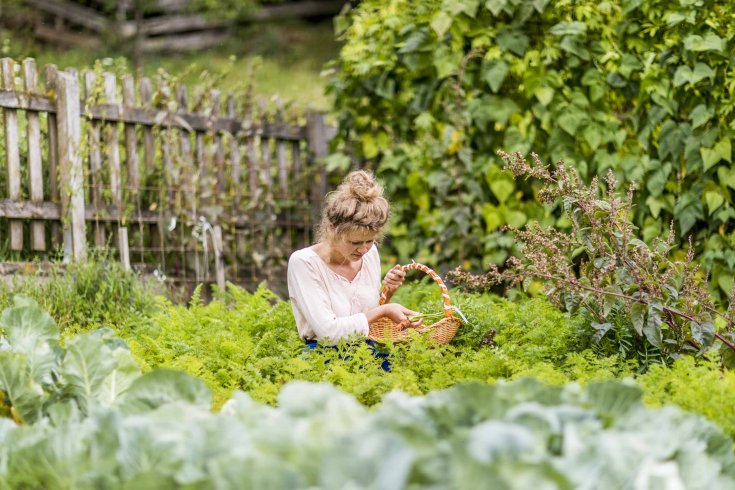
87,295
430,90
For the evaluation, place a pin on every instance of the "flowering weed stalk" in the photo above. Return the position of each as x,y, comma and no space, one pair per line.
600,267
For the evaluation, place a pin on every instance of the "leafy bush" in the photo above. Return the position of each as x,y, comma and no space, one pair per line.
431,89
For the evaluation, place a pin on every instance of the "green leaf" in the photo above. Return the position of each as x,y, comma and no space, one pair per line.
494,73
569,29
540,5
725,281
502,188
513,40
571,119
652,328
670,140
656,182
418,189
492,216
700,115
24,320
515,218
544,95
688,210
369,147
714,198
726,176
703,333
386,87
31,331
684,74
23,394
710,42
337,161
600,330
445,63
85,366
163,386
721,151
638,316
702,71
467,7
592,135
441,23
424,121
611,398
97,371
495,6
500,108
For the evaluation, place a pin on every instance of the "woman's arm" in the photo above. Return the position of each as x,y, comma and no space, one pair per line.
308,291
394,311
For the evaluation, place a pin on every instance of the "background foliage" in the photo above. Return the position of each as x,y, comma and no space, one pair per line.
431,90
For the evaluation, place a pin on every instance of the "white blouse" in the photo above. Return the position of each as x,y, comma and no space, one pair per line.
327,306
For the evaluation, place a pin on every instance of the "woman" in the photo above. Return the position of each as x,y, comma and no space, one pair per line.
335,285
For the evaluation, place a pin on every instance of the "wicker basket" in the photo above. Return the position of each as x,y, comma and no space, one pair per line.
384,329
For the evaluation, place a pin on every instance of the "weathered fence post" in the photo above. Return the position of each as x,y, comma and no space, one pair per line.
219,257
12,153
35,168
70,165
316,135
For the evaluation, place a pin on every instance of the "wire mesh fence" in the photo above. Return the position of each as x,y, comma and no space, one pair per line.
195,186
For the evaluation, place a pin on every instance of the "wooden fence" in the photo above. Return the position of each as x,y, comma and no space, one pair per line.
155,25
196,186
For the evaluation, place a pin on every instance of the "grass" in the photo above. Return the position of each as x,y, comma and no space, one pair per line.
285,60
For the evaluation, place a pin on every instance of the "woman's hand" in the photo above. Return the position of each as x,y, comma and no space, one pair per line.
400,314
393,280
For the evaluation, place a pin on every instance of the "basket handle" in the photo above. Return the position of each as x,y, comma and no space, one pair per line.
448,310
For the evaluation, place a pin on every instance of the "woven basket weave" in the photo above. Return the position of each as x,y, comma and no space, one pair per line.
384,329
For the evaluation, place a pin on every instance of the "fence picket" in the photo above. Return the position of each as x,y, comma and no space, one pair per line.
95,162
218,154
112,145
12,152
317,139
147,169
131,155
50,73
131,142
281,153
35,165
235,168
184,162
71,171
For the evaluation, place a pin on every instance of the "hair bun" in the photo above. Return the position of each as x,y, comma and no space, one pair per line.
362,186
357,204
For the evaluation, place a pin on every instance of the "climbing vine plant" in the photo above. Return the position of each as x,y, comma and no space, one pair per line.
430,90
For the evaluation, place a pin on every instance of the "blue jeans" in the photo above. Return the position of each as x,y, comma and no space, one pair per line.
384,364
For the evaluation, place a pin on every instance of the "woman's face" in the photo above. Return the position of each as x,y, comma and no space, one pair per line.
352,246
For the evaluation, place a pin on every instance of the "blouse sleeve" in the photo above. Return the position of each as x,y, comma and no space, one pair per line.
308,291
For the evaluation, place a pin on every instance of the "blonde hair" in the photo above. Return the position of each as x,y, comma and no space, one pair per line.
357,204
